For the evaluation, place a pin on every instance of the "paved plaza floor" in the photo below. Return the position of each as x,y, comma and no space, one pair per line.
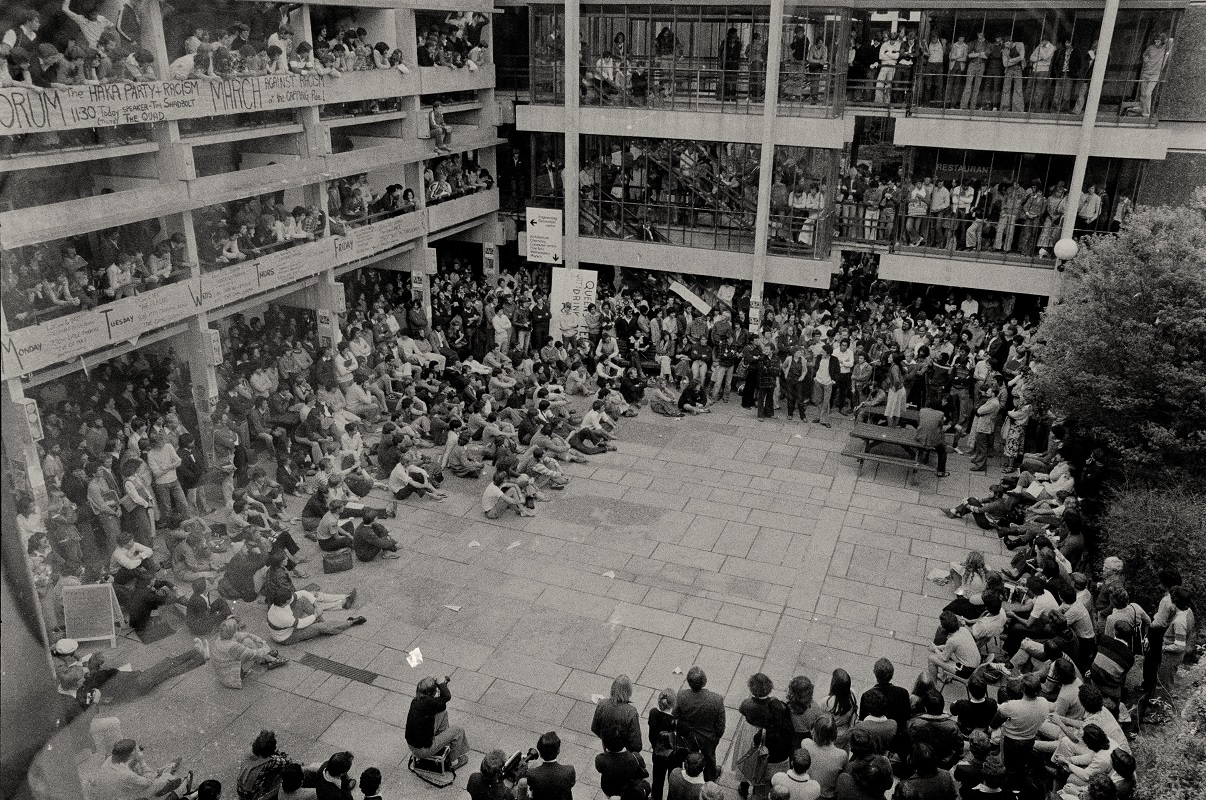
738,544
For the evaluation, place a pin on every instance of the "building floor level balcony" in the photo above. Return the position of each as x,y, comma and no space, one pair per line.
459,211
70,336
23,111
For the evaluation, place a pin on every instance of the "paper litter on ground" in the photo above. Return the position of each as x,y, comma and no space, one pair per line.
414,658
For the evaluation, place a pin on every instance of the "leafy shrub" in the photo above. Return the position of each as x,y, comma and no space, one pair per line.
1152,528
1172,760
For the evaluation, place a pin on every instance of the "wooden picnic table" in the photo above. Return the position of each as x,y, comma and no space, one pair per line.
869,413
877,442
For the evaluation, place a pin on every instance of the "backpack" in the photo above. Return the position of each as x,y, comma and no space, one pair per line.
259,779
780,735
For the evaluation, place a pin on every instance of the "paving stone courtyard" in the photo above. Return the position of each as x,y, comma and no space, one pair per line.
738,544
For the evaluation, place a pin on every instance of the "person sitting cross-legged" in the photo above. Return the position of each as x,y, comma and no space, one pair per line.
372,540
959,656
235,651
500,496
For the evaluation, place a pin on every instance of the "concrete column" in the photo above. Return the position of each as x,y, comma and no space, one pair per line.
573,127
195,347
1087,126
19,445
331,303
766,164
152,37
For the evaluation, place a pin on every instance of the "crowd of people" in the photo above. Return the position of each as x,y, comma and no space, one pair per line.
453,175
401,406
455,42
44,281
1022,70
646,183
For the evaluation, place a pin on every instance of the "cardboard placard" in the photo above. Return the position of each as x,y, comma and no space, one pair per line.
91,612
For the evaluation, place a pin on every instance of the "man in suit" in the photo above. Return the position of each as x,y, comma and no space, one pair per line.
930,424
687,781
701,719
550,780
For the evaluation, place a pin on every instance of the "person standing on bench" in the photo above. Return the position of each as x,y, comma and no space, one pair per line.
427,728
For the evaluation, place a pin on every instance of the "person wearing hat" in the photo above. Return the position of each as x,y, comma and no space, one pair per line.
121,775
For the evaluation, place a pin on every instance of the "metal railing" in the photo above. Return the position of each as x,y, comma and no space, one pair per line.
673,84
876,91
799,232
546,80
806,92
963,235
668,223
1034,96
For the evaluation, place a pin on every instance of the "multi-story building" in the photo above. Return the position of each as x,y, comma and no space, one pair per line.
174,175
760,142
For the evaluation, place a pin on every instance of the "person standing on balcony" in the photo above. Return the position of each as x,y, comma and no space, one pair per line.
1154,59
889,54
756,55
1056,207
935,54
818,62
994,72
977,58
940,216
794,84
1088,211
963,197
1066,67
1040,75
956,71
1013,59
730,64
1014,197
1032,217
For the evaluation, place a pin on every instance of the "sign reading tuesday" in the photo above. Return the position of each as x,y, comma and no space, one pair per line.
26,110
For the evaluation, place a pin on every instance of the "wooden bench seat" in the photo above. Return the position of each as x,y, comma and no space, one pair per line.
855,450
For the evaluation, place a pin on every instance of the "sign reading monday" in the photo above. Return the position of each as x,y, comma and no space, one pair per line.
26,110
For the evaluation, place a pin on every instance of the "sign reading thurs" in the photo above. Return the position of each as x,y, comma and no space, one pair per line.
108,104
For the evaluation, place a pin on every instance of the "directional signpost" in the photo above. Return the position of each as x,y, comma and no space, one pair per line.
544,235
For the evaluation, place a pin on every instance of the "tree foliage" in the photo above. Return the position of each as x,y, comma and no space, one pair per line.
1124,354
1151,528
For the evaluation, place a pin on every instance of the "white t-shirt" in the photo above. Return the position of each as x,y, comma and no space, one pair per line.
490,496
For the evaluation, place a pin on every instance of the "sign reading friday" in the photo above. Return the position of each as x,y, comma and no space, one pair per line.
107,104
544,235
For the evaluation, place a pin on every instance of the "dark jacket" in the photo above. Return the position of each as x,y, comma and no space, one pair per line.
190,472
369,540
624,715
552,781
420,720
617,770
701,716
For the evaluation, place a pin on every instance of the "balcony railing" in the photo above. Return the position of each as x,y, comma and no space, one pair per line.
445,80
676,84
1123,100
68,337
460,210
110,104
948,235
